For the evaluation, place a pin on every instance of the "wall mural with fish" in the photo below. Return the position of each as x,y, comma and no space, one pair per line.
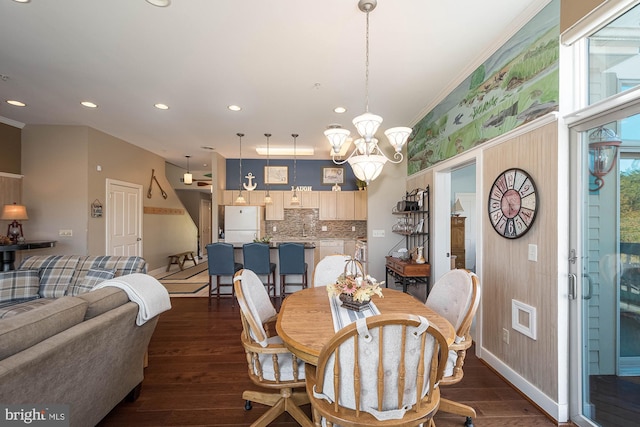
517,84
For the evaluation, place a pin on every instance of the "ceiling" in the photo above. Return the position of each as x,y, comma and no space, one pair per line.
287,63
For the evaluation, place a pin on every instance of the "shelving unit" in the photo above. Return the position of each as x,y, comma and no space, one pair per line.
413,223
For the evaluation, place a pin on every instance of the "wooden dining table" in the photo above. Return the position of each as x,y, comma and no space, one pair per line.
305,322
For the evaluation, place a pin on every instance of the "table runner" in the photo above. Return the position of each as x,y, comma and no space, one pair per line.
343,316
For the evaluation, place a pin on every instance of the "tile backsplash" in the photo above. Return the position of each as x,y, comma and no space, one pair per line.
304,224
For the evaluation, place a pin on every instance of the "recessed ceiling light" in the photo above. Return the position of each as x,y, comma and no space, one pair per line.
161,106
234,107
339,110
22,1
159,3
16,103
89,104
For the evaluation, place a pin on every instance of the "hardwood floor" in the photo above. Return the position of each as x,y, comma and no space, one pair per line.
197,372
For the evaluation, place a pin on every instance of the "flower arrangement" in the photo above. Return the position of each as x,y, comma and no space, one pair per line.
361,289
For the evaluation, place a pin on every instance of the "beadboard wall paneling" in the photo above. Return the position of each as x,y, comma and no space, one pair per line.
507,272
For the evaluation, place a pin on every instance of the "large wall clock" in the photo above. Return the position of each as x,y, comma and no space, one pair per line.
513,203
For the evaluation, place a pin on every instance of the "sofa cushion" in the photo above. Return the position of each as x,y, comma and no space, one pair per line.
56,272
21,332
22,306
121,264
19,285
92,278
102,300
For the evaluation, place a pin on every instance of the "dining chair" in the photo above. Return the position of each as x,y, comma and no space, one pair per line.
332,266
291,262
256,258
271,365
456,296
221,264
379,370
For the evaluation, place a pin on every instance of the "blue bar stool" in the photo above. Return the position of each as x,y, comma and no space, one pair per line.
221,263
291,258
256,258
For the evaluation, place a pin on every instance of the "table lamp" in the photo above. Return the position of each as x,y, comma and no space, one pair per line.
14,213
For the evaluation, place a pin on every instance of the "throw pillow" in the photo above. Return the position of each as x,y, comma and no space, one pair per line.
93,277
19,285
56,272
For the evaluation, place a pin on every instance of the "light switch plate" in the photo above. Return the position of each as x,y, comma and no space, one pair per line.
533,252
378,233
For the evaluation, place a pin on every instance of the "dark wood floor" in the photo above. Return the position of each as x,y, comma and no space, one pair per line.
197,372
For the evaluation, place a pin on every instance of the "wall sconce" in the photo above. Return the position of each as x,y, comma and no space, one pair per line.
14,213
603,149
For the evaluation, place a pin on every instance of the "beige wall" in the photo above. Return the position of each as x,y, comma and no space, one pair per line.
9,149
507,274
571,11
61,181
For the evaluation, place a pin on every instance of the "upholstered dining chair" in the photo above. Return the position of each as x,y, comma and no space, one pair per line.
332,266
271,365
221,264
379,370
456,296
256,257
291,263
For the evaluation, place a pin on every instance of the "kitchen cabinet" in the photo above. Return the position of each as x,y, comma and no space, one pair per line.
255,197
336,205
275,209
360,205
308,200
457,240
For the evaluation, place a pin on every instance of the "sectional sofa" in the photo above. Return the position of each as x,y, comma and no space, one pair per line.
70,344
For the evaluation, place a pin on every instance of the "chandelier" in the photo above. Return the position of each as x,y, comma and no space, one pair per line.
367,160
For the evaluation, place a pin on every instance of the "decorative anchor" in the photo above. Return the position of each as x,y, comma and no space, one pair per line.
251,186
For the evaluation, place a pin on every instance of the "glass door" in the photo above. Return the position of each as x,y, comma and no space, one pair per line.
605,267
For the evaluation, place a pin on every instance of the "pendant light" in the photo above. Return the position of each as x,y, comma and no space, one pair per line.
367,160
294,198
188,177
240,200
267,198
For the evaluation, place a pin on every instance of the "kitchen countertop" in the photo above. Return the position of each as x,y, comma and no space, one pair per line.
274,245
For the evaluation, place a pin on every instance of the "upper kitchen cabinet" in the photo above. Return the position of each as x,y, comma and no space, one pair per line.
251,197
274,211
360,205
308,199
337,205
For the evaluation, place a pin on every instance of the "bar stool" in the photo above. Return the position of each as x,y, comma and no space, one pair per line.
291,258
221,263
257,259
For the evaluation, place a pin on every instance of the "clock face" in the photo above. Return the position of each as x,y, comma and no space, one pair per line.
513,203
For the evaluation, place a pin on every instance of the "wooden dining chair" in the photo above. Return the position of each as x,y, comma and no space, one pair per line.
271,365
381,370
332,266
456,296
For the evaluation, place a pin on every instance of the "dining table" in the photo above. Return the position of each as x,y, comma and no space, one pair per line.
305,323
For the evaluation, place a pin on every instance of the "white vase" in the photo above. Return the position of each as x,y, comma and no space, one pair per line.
420,258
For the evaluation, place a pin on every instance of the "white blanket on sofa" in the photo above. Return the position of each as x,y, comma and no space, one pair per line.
152,298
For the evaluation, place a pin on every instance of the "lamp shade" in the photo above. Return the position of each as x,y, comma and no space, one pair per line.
367,125
367,168
14,212
398,137
188,178
337,137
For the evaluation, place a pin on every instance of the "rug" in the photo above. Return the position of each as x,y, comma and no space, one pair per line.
175,289
186,273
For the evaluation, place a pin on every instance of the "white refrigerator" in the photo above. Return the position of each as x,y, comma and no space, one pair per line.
242,224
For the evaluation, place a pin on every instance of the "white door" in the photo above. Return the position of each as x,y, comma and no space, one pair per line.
205,225
124,218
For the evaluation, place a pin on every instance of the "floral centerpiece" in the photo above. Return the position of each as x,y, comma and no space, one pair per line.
355,292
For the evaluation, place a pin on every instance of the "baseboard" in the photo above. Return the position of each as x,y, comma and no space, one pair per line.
559,413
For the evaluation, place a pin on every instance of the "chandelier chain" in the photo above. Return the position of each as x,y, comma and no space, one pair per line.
366,66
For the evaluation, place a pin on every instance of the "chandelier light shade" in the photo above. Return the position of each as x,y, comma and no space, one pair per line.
367,160
240,199
603,152
294,197
14,213
267,197
188,176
